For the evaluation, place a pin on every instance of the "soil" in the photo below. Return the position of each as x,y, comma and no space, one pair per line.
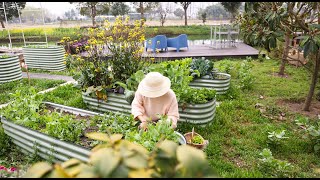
282,76
297,107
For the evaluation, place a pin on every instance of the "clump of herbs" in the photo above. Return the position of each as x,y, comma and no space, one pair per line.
196,140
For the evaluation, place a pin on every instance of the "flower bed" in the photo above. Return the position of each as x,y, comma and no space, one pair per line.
221,85
193,113
48,58
206,76
9,69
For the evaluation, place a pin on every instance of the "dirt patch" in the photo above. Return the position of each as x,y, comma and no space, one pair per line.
282,76
297,107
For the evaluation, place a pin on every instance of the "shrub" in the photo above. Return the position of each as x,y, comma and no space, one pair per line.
274,167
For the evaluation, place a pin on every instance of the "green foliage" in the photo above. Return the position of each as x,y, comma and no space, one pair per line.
178,72
311,131
11,10
114,123
204,67
274,167
67,95
63,127
189,95
27,110
275,137
24,108
260,24
5,142
118,158
23,85
155,133
197,140
245,76
119,8
5,56
232,7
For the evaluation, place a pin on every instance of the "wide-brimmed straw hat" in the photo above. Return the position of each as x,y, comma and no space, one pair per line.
154,85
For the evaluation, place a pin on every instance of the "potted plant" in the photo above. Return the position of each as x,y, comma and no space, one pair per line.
206,76
10,69
196,140
44,57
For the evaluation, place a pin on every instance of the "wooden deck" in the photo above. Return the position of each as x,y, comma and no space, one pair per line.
241,51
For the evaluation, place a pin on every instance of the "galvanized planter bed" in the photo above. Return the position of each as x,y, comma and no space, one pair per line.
48,58
196,114
220,85
10,69
49,147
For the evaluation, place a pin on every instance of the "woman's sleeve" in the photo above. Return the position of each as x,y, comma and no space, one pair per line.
137,108
173,112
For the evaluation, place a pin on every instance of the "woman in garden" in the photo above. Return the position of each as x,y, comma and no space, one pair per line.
154,97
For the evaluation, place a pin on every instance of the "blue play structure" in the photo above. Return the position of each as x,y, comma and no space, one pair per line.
157,42
162,42
178,42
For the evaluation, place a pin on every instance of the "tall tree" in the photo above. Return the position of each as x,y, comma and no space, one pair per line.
232,8
119,8
143,7
92,9
163,12
202,15
11,11
215,11
179,12
306,16
185,6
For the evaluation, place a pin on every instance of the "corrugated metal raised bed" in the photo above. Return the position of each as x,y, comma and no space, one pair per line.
196,114
220,85
10,69
49,147
48,58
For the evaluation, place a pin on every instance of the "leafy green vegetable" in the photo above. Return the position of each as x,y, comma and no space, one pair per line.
197,140
160,131
203,66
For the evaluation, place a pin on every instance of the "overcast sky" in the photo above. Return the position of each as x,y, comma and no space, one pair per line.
58,8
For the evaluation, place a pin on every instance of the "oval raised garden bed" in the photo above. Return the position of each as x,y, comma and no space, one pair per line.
193,113
48,147
10,69
221,84
48,58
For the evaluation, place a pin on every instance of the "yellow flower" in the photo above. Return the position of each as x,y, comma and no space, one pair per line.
64,62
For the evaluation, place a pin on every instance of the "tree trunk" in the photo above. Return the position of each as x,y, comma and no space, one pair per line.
185,17
284,54
142,10
2,24
93,15
313,83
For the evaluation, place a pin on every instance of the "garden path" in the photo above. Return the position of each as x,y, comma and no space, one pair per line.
47,76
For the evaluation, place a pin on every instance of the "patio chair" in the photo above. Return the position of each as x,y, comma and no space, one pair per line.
178,42
157,42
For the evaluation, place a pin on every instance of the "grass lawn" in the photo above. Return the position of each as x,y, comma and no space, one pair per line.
38,84
239,132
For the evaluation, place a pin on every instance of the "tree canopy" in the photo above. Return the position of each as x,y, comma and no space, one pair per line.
11,10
